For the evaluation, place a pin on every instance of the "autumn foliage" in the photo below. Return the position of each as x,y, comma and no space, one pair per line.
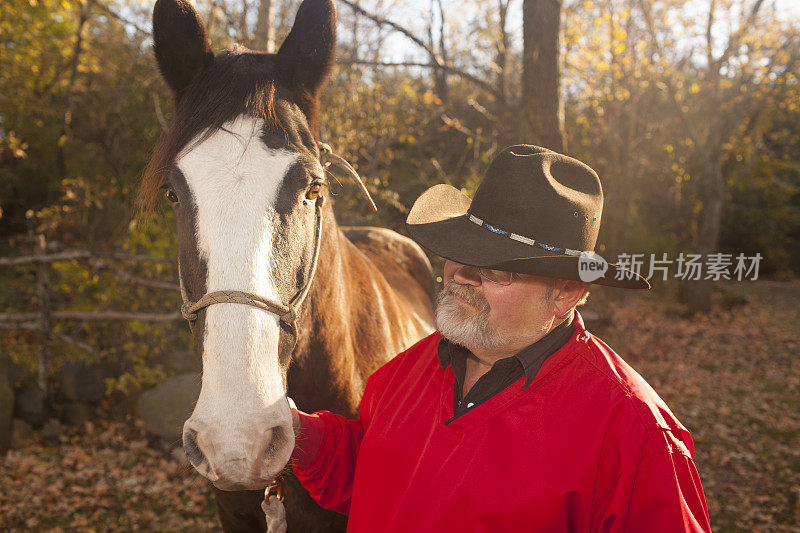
689,111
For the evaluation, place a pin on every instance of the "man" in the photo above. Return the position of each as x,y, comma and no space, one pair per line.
511,417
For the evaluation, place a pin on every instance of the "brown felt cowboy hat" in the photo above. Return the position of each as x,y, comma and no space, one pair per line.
535,212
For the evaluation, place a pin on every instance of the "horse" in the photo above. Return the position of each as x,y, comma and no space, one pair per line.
241,165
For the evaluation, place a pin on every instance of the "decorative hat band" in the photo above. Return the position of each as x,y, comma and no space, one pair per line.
520,238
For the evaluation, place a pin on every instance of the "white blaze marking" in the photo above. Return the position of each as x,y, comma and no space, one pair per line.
234,180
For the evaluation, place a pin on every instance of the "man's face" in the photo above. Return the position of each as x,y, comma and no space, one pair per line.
491,318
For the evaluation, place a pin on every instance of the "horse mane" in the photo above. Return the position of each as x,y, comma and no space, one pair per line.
237,83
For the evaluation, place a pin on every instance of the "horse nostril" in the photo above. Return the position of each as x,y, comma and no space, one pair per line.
273,439
273,455
191,448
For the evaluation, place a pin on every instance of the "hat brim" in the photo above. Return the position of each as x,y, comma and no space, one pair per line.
438,222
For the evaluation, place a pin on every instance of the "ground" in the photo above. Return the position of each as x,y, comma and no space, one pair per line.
731,376
104,478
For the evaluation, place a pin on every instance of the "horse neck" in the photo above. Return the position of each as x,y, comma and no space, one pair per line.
336,351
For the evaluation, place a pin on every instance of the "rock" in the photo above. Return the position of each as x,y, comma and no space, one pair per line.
10,369
127,404
6,412
29,406
21,432
181,362
84,382
76,414
51,430
165,408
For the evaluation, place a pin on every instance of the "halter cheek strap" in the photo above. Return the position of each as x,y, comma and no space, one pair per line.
286,313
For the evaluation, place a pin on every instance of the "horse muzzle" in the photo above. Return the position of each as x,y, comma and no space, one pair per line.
238,464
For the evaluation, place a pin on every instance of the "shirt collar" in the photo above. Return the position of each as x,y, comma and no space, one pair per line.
531,357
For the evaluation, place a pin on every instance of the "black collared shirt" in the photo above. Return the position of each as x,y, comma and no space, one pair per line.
505,371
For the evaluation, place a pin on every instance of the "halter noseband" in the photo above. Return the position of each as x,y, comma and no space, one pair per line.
286,313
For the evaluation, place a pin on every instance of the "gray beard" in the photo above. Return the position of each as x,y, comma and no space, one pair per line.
468,329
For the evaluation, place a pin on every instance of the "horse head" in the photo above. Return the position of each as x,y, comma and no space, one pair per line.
240,165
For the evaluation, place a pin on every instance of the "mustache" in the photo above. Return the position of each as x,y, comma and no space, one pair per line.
465,292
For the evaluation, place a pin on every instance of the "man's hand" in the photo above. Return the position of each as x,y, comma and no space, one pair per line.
295,421
295,416
308,444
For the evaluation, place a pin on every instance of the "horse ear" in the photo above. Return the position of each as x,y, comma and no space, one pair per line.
306,57
180,43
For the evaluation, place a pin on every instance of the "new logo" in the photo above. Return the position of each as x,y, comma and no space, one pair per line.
591,266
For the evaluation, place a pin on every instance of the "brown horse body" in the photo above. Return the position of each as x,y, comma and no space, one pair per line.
372,299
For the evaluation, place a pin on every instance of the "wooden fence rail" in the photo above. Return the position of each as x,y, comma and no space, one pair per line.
42,319
99,316
70,255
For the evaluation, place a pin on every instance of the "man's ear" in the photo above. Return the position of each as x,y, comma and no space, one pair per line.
306,57
180,43
566,295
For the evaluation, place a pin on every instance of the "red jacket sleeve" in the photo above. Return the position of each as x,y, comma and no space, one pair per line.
662,492
328,477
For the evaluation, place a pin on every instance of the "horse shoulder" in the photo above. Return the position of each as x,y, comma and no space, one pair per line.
401,279
397,257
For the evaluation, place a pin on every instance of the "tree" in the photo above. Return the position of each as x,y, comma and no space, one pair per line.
542,104
264,37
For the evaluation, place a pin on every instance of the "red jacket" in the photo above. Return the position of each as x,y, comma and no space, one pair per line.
588,446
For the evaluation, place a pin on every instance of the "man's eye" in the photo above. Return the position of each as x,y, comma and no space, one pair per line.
171,196
313,192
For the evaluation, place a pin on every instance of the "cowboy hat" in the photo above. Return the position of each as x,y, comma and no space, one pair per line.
535,212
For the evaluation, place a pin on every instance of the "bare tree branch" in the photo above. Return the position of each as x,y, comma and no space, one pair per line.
159,114
442,49
396,27
735,38
474,104
457,125
437,61
709,37
34,326
75,342
113,14
66,125
127,277
672,90
449,69
502,46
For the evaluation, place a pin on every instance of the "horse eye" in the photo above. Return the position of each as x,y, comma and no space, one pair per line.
171,196
313,192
